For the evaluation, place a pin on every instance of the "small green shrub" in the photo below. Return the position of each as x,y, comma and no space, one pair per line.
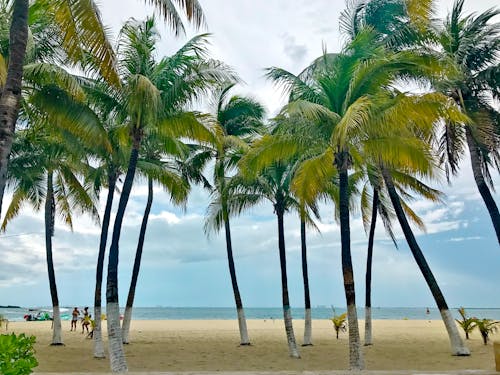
339,323
467,324
17,356
486,327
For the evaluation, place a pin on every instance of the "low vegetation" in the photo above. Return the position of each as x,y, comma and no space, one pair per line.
339,323
467,324
485,326
17,355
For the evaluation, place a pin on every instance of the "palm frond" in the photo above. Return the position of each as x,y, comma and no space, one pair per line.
313,177
82,29
191,9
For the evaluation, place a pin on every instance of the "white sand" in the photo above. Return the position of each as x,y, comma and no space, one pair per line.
212,345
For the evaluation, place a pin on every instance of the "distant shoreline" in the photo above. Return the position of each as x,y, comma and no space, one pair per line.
229,313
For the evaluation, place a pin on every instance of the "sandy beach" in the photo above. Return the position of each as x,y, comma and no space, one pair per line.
212,345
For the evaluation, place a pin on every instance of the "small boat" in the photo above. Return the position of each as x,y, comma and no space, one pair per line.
36,315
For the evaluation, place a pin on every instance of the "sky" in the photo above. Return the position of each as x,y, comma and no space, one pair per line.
182,267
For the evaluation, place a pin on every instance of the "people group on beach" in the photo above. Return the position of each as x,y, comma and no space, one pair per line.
86,320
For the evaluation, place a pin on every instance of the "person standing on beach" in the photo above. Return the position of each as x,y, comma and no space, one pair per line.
74,318
85,320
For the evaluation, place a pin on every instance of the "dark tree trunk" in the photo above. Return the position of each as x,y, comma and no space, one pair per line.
98,345
10,98
368,280
305,277
287,315
485,338
116,353
230,261
457,345
137,265
481,183
355,354
244,340
49,232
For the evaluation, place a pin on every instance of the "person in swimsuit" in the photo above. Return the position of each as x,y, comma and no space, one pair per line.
74,318
85,320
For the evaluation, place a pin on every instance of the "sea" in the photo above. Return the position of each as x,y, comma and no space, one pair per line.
224,313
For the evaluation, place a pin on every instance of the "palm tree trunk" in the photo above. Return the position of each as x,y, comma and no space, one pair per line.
116,353
137,265
287,314
10,98
242,323
457,345
98,344
305,277
355,354
481,183
49,232
369,257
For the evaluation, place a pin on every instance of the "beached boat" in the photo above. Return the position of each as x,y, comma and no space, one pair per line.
38,315
44,314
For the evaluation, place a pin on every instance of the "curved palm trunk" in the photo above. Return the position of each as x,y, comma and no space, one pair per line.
355,354
49,232
242,323
481,183
10,98
457,345
98,344
137,265
305,277
369,257
116,353
287,314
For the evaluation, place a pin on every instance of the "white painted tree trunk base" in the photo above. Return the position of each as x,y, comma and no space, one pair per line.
356,361
290,336
56,329
98,344
368,326
458,347
242,324
127,318
116,353
307,328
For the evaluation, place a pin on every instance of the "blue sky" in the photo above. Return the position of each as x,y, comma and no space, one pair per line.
181,267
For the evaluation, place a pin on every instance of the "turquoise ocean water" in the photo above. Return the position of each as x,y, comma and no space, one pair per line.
190,313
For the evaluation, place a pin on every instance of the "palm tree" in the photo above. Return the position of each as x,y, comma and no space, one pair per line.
406,29
272,184
467,324
110,163
159,165
42,159
305,278
56,97
415,116
287,125
237,119
380,205
399,24
339,102
81,32
485,327
86,27
153,92
345,94
472,43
